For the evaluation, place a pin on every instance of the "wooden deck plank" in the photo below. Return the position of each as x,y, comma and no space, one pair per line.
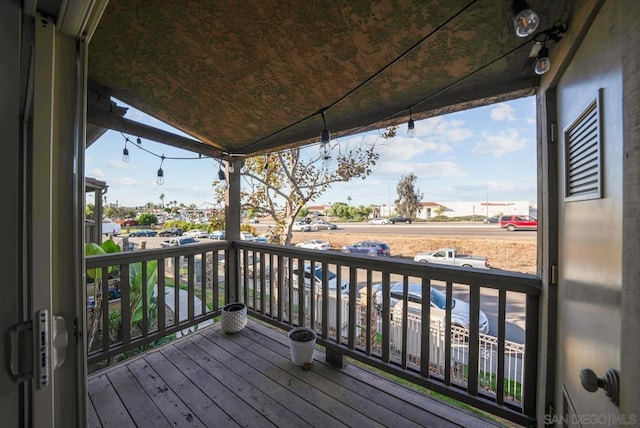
230,396
293,378
213,379
176,411
405,401
112,412
278,412
140,406
92,416
357,400
202,406
287,396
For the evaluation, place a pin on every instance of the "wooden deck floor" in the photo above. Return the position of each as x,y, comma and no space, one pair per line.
216,380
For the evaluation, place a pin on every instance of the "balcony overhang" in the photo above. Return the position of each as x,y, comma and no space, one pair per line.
246,78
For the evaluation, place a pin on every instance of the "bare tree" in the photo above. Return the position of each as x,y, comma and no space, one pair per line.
281,184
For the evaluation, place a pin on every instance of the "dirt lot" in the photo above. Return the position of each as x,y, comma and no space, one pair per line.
502,254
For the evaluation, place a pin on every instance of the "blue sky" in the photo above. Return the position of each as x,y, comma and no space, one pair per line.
473,155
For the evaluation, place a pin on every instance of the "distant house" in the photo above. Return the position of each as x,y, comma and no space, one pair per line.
316,210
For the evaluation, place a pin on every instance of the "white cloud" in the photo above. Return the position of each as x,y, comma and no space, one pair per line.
499,144
502,112
97,173
443,130
116,164
125,182
422,170
531,121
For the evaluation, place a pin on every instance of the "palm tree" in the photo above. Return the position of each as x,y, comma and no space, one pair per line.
162,199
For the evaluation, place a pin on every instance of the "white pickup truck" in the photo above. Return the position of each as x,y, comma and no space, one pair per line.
448,256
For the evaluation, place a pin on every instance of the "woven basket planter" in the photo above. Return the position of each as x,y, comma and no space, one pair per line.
233,317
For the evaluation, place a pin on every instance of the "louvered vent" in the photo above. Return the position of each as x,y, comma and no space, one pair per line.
583,166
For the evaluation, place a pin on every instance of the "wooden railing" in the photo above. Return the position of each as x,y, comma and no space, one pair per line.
495,372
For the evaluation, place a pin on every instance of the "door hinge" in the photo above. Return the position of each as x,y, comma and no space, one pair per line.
19,352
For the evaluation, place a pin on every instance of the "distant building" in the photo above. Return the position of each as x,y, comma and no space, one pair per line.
481,208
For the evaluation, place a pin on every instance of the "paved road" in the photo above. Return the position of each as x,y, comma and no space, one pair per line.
461,229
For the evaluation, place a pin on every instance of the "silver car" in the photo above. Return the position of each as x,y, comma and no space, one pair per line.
459,310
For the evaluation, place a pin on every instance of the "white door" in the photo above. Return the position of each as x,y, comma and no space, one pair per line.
590,157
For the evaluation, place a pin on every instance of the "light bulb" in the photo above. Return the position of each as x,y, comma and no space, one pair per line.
411,129
543,64
325,137
231,168
525,21
324,151
125,155
160,177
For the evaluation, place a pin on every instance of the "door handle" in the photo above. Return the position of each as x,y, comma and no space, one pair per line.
610,383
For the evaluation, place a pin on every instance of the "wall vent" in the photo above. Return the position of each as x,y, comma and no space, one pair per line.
583,155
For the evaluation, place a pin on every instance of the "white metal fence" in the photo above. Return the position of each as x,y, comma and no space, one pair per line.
488,346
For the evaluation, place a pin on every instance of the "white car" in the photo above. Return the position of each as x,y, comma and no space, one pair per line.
459,310
299,226
332,279
246,236
379,221
196,233
314,244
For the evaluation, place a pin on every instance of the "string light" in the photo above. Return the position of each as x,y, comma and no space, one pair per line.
125,152
325,137
543,64
525,21
221,175
160,173
160,176
411,126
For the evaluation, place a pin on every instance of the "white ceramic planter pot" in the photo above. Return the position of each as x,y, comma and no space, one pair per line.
302,344
233,317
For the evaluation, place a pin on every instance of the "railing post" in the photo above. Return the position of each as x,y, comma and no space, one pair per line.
531,356
232,227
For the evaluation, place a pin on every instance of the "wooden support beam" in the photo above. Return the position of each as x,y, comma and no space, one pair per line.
117,123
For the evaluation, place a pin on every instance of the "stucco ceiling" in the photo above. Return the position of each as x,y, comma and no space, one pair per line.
249,77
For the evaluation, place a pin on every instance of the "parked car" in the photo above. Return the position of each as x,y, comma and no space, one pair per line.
321,224
492,219
400,219
263,239
218,234
143,232
518,222
174,231
371,248
179,242
314,244
332,278
459,308
379,220
128,222
196,233
299,226
246,236
253,221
